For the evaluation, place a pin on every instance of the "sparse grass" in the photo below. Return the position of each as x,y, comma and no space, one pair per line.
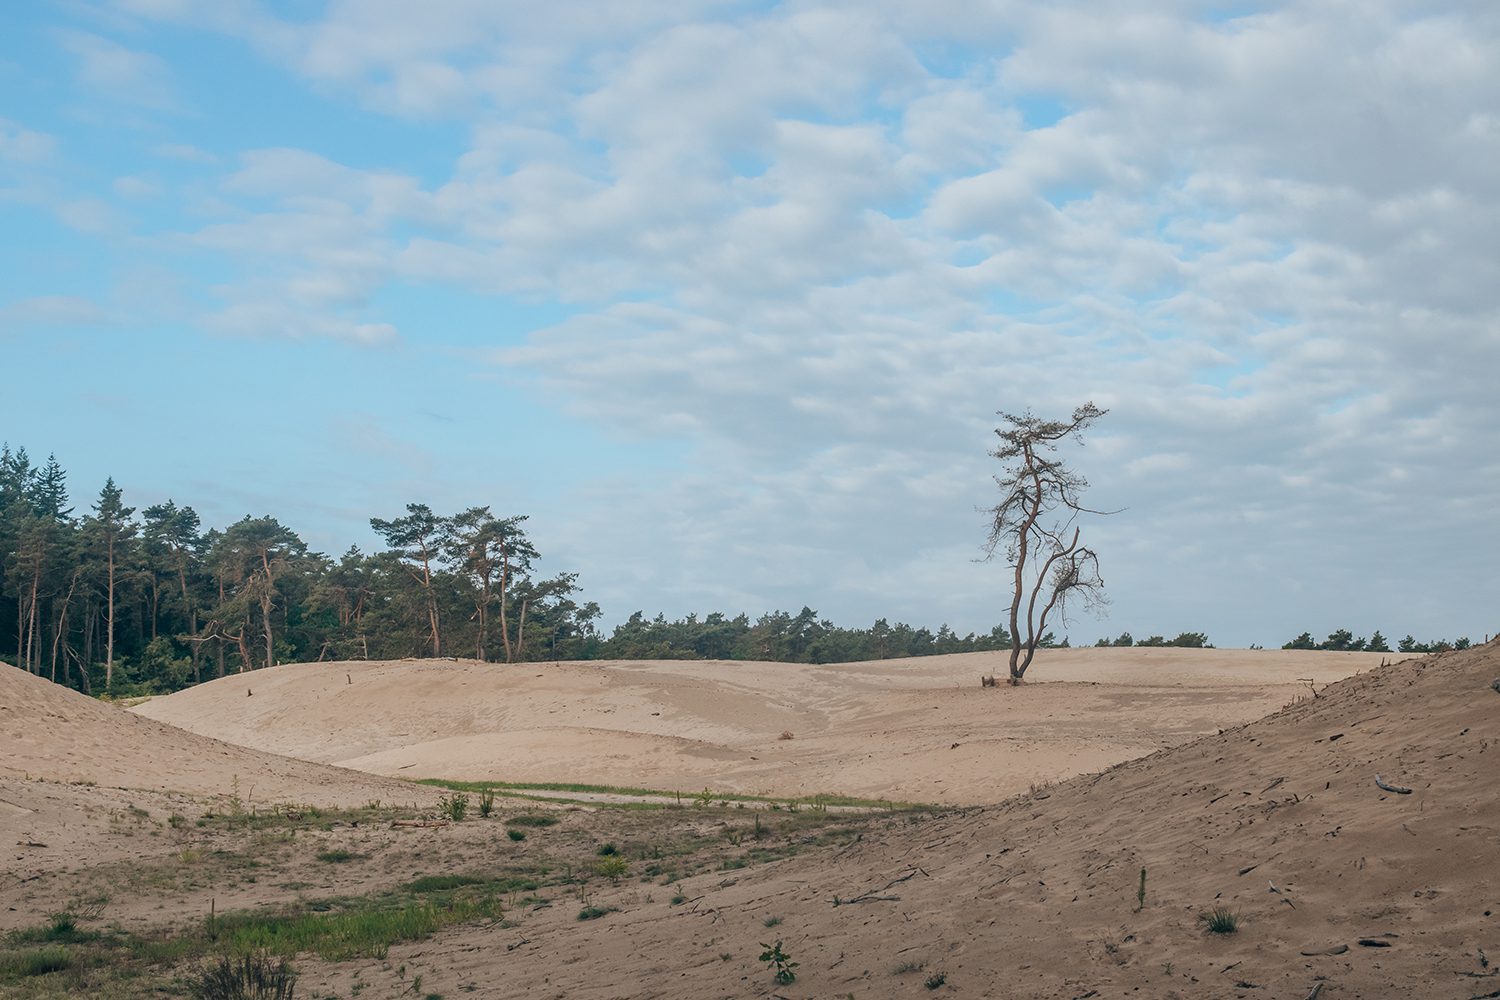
909,966
770,921
663,846
935,980
518,789
1221,920
252,977
516,835
34,962
486,802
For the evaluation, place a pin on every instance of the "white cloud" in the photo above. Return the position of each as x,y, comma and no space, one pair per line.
112,72
22,145
49,311
821,246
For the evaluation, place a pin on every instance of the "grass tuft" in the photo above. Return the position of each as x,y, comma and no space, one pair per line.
1221,920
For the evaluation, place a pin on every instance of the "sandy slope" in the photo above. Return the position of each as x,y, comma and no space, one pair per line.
71,767
1281,820
885,728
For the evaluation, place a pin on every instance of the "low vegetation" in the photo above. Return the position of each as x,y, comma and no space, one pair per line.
608,851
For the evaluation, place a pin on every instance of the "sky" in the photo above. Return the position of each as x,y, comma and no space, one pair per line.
727,296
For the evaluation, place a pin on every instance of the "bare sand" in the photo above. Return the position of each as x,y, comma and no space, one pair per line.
1342,889
74,770
917,729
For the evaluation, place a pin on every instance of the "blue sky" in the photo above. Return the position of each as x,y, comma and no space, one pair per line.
726,295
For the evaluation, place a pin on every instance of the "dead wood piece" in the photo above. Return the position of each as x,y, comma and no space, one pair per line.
1398,789
1316,992
1374,943
1248,869
29,843
1272,785
1485,996
874,895
1337,949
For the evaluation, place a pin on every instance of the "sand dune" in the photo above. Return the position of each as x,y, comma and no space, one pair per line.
1344,890
878,729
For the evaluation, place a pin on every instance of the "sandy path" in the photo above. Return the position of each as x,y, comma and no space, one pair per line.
879,729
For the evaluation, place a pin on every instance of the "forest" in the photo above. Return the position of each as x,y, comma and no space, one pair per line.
108,598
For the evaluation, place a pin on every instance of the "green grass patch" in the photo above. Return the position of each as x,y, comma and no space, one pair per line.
339,936
337,856
34,962
517,789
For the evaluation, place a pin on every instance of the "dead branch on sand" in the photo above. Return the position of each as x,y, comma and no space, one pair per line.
1398,789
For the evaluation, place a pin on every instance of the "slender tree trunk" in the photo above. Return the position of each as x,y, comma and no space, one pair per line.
62,628
192,610
521,634
265,607
109,635
504,625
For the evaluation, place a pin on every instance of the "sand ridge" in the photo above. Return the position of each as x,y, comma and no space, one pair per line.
877,729
1343,890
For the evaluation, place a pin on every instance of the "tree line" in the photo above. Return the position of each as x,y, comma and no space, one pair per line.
118,600
1345,641
114,599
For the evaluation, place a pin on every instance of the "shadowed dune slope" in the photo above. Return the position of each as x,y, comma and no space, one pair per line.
1279,820
885,728
54,734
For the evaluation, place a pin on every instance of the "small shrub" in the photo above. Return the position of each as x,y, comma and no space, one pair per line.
911,965
486,802
1221,920
771,921
613,867
252,977
606,850
516,835
935,980
595,912
454,807
782,966
532,819
337,856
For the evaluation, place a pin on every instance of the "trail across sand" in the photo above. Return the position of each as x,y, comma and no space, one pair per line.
916,729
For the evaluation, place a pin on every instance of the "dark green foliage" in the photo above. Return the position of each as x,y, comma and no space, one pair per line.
935,980
35,962
516,835
454,807
1221,920
782,966
251,977
595,912
337,856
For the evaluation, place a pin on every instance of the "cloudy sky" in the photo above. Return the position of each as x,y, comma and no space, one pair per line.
726,295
